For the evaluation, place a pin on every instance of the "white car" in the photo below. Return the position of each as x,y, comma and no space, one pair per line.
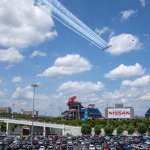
148,142
98,147
91,147
42,147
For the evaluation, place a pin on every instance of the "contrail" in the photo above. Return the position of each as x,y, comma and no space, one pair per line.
60,13
71,16
76,31
76,28
73,26
82,25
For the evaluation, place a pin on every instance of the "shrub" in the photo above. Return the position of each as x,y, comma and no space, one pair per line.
142,128
108,129
131,129
97,129
120,129
86,129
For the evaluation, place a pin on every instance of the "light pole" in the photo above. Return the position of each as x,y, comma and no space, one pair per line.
13,110
107,113
34,85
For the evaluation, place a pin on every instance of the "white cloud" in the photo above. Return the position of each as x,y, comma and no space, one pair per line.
145,97
23,93
68,65
132,93
102,30
38,53
1,81
51,35
2,94
81,86
23,24
123,71
86,91
137,98
23,100
9,66
123,43
139,82
116,95
142,3
16,79
11,55
137,91
127,14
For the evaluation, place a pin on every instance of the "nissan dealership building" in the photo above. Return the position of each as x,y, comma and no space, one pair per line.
119,112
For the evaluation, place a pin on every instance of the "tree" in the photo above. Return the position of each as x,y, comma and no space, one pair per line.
97,129
131,129
117,123
111,122
142,128
125,127
3,126
92,123
149,128
120,129
86,129
101,126
108,129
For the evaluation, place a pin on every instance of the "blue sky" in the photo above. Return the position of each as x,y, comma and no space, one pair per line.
37,48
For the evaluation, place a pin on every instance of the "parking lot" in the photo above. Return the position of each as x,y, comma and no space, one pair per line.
76,143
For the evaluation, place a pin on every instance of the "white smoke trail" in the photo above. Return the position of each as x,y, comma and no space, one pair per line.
75,19
75,31
73,23
83,30
76,28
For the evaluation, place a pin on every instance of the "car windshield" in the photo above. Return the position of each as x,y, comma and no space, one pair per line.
2,137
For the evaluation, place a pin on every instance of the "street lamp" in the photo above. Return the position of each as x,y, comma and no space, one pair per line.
107,113
34,85
13,110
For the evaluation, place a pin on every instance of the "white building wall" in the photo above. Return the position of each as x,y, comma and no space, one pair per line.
72,130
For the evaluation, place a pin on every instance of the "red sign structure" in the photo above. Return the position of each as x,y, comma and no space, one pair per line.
71,101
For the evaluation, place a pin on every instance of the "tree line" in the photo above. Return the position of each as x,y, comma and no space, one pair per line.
142,128
140,125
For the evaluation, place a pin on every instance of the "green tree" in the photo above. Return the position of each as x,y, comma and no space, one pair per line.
120,129
101,126
125,127
131,129
108,129
149,128
117,123
91,123
3,126
86,129
97,129
142,128
111,122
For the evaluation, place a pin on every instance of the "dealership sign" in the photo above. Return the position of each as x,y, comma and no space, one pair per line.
119,113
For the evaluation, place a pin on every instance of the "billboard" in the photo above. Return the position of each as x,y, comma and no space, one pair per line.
119,113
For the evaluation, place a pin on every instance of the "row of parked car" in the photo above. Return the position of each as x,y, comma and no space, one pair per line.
76,143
